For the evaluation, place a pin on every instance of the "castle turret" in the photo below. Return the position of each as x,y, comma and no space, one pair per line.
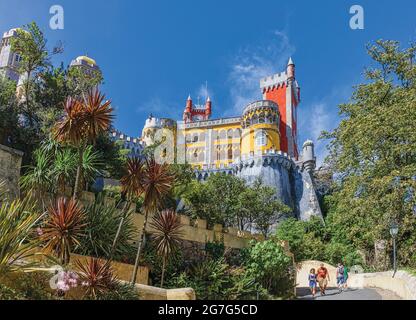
290,70
208,108
283,89
308,156
260,124
9,60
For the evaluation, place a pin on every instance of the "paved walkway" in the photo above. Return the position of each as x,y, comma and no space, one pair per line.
349,294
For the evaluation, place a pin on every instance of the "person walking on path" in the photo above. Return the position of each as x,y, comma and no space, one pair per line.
312,281
340,277
346,277
323,278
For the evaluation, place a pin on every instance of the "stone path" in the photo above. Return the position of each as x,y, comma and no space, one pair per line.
349,294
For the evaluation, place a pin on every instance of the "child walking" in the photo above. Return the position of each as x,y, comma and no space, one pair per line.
312,281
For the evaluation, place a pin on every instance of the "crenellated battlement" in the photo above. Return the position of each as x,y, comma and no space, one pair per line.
192,230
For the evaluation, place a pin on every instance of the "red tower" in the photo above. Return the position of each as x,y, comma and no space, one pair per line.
283,89
194,113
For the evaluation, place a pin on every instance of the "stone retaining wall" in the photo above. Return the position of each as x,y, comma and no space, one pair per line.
196,231
403,284
10,162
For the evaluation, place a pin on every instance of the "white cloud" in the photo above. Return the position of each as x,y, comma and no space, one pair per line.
203,92
253,63
159,108
321,115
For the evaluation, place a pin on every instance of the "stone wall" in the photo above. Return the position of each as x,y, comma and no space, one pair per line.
196,231
403,284
10,162
122,271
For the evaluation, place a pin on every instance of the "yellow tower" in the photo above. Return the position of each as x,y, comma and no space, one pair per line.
260,125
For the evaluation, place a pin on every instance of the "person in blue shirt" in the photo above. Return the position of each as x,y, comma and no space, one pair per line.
312,281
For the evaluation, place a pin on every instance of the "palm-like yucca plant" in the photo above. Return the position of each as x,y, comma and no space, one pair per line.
166,235
96,276
152,180
38,176
82,123
17,221
63,169
63,228
91,165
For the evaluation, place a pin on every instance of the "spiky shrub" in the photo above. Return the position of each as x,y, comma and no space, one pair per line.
101,230
64,227
166,236
82,123
152,180
17,223
96,277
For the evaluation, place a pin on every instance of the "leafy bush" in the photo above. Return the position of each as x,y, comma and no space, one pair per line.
7,293
337,252
271,267
304,238
216,280
102,222
27,286
119,291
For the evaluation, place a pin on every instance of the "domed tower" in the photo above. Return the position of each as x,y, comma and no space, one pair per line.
261,155
9,60
260,125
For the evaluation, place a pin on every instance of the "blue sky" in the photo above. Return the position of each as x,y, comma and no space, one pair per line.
153,53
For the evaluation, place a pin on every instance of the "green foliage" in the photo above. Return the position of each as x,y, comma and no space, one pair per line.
236,205
215,249
102,222
119,291
216,280
7,293
271,267
34,286
17,222
260,208
374,155
55,167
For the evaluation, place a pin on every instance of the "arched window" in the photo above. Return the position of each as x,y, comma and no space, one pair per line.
230,134
261,138
230,153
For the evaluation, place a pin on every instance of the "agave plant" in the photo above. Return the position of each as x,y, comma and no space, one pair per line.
101,230
64,226
96,276
82,123
17,223
152,180
166,236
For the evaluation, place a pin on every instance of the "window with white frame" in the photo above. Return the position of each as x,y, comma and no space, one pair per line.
261,138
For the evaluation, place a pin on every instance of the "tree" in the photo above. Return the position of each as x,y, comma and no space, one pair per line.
260,208
373,154
167,236
30,44
216,200
271,267
83,122
152,180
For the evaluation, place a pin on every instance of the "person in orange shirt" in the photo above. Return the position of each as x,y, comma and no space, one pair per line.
323,278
